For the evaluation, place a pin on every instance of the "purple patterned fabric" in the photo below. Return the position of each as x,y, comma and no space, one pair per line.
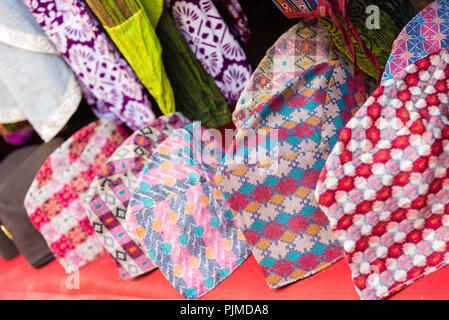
213,44
110,85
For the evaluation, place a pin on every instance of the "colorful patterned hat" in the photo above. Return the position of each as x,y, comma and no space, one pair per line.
183,221
426,33
54,200
268,181
108,196
297,50
384,186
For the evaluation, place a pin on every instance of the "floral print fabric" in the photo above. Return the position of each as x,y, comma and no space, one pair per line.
213,44
109,84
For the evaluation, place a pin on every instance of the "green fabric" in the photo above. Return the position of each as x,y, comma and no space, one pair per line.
393,17
137,41
153,8
196,93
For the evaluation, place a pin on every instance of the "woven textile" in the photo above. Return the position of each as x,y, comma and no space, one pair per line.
135,37
184,223
108,82
213,44
107,199
393,16
54,200
268,181
303,46
298,8
196,94
384,186
426,33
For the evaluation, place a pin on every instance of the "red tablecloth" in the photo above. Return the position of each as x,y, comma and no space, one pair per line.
101,280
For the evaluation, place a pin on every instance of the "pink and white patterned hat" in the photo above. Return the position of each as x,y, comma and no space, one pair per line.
54,200
385,185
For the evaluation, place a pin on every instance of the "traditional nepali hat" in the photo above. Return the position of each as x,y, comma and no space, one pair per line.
297,50
392,17
54,200
426,33
107,199
184,223
268,181
21,167
384,187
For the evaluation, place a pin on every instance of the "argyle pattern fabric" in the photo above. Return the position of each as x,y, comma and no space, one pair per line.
108,197
426,33
268,181
303,46
385,188
184,223
54,199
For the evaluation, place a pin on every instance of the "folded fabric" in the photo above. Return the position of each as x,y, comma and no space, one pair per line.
182,219
270,171
426,33
107,199
304,45
213,44
384,186
235,18
35,83
393,16
197,95
136,39
54,200
8,250
301,8
21,167
17,133
110,85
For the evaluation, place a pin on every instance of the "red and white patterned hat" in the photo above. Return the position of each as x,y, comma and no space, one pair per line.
54,201
385,185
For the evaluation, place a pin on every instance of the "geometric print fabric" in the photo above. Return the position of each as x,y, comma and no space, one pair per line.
272,198
385,184
185,225
426,33
108,196
54,199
